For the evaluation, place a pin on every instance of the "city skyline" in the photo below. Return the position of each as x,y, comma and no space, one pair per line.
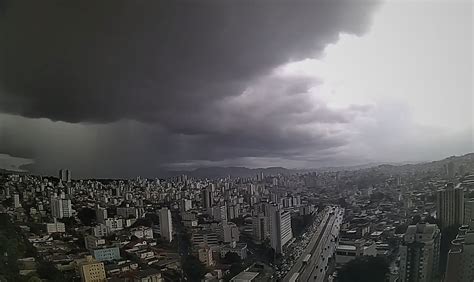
340,84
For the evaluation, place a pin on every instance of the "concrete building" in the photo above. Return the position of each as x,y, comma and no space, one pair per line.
91,270
166,225
55,227
468,211
109,253
65,175
206,197
450,206
280,228
260,228
460,266
101,214
16,201
61,207
93,242
113,224
419,253
351,249
205,256
229,232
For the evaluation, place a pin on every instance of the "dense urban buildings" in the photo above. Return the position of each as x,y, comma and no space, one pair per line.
266,226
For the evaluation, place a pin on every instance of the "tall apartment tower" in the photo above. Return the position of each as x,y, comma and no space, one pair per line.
419,253
260,228
166,224
61,207
450,206
280,228
460,266
65,175
206,197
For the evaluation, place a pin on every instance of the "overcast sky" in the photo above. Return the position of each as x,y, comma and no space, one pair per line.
126,88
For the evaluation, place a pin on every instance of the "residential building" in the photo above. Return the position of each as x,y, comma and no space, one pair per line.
450,206
280,228
419,253
460,266
166,224
91,270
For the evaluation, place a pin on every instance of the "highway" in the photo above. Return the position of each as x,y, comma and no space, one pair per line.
321,247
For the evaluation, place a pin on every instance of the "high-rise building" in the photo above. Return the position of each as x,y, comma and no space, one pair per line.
91,270
219,213
450,206
16,201
468,211
460,266
449,170
260,228
419,253
65,175
206,197
166,224
101,214
61,207
280,228
229,232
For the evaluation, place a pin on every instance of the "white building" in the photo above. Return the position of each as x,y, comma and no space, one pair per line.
349,250
166,224
55,227
419,253
280,228
142,232
113,224
16,201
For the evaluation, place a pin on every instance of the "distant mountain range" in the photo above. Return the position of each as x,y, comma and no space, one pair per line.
234,171
220,172
467,161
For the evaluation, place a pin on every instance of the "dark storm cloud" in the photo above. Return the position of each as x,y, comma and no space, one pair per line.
100,61
195,77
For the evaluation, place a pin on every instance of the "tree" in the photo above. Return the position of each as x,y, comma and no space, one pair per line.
231,258
364,269
86,216
193,268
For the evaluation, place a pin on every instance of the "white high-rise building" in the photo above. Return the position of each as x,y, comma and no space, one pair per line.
16,201
166,224
280,228
61,207
460,266
450,206
419,253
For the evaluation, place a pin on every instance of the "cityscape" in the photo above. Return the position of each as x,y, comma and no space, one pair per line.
400,223
236,140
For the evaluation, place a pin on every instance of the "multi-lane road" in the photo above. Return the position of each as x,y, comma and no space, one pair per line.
313,263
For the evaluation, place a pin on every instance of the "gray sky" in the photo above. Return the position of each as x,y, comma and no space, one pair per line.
113,89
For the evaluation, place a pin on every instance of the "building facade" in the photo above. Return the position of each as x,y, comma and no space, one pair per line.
419,253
